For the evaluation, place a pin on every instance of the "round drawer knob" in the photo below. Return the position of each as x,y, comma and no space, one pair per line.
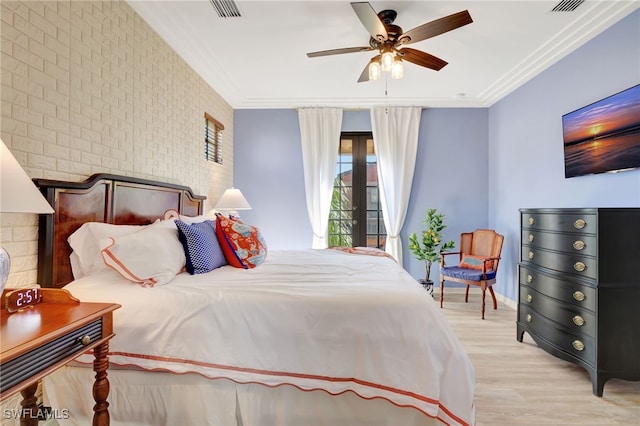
579,245
577,345
529,298
578,320
531,221
529,318
531,238
578,295
85,340
579,266
531,256
529,278
579,224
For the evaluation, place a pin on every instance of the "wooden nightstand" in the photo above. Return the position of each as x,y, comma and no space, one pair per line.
38,340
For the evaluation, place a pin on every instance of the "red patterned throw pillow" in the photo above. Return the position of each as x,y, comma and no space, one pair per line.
242,244
475,262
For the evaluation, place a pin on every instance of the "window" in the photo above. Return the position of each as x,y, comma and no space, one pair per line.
355,218
212,139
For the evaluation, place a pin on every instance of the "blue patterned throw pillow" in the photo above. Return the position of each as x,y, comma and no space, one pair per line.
201,246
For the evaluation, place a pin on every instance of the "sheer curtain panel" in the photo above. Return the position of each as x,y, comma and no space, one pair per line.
395,136
320,134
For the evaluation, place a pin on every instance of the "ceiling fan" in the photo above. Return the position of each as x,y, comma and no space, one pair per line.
388,39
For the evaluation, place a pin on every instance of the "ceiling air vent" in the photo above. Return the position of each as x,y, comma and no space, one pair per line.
226,8
567,5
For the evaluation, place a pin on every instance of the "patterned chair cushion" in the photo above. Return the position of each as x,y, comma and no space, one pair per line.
465,273
474,262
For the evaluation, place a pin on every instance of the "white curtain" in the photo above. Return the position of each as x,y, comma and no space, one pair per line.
395,136
320,132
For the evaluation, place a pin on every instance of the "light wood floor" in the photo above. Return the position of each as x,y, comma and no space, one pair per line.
521,384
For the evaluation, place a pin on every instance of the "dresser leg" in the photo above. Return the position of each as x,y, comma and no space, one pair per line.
597,382
29,405
101,385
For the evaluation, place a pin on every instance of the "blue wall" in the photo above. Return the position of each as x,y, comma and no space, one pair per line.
267,157
478,166
526,159
451,173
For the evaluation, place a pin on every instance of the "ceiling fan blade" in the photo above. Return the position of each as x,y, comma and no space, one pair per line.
421,58
365,73
437,27
339,51
370,20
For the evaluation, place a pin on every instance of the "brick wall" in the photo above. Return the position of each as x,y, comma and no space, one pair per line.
88,87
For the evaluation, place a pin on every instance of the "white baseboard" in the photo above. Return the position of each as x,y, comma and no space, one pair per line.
510,303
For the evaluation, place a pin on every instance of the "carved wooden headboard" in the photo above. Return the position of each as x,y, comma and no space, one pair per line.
107,198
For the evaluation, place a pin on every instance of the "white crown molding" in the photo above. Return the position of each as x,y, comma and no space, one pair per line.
558,47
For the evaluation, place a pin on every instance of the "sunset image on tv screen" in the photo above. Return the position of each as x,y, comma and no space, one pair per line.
603,136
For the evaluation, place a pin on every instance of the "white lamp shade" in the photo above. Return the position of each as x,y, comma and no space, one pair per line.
374,70
387,61
232,199
397,69
18,193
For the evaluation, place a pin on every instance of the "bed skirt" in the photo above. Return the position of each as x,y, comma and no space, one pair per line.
159,398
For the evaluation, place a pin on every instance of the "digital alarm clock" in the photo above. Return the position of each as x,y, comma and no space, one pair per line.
23,298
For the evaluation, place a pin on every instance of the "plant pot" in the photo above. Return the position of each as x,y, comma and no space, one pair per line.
427,285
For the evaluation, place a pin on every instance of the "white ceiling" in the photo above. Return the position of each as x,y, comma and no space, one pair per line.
259,59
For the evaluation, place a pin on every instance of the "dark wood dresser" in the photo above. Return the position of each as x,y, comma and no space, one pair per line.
579,288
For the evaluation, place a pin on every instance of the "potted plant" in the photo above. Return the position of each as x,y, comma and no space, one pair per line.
430,246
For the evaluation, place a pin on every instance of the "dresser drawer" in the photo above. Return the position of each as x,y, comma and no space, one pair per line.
579,346
569,243
574,264
572,318
563,222
569,292
31,363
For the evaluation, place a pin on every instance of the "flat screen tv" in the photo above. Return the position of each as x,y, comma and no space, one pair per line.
603,136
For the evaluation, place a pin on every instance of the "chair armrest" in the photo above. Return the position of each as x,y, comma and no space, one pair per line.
446,253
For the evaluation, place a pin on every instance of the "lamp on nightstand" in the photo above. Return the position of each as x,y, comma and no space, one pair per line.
18,194
232,200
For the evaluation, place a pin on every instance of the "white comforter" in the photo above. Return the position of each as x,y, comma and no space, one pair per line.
315,319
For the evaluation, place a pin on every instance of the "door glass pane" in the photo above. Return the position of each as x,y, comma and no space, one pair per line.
340,216
355,218
372,164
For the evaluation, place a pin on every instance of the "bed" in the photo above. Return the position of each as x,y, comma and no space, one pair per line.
306,337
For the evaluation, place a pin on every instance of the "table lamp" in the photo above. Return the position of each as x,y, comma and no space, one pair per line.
18,194
232,200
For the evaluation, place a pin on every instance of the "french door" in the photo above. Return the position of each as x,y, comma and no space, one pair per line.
355,219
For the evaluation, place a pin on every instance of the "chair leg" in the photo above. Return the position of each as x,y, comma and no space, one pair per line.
441,291
466,295
484,290
493,296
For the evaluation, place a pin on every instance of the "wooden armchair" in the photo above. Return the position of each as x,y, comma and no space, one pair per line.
479,257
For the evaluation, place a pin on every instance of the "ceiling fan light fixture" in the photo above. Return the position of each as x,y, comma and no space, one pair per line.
397,69
374,70
387,60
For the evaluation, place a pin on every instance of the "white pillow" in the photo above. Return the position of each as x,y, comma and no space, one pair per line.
85,243
150,257
173,214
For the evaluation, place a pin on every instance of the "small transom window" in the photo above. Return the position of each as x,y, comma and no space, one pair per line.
212,139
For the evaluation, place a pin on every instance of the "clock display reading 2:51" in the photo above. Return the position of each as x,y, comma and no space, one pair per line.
21,299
